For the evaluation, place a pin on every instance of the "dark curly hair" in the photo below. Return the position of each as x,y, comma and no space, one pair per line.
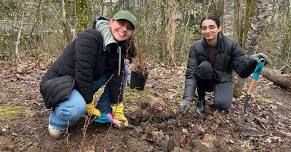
211,17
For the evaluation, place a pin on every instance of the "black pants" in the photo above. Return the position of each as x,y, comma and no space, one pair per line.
223,92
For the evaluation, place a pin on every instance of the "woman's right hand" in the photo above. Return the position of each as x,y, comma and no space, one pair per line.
185,105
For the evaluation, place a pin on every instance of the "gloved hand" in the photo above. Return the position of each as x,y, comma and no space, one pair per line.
258,56
185,104
107,118
92,110
103,118
118,113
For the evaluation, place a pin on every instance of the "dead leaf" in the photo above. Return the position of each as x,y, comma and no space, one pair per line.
183,140
208,140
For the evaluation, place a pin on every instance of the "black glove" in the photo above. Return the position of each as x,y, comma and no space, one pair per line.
257,57
186,104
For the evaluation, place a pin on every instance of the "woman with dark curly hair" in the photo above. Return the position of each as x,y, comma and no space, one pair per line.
211,62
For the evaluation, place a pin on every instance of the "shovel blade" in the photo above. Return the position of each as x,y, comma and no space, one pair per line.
246,102
131,126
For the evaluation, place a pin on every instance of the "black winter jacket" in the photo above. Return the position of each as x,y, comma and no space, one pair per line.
83,61
228,56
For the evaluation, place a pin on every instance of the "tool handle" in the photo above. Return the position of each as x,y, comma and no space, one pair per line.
256,75
255,78
252,87
259,69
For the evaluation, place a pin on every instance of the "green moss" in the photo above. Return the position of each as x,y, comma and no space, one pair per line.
131,94
10,112
267,101
146,91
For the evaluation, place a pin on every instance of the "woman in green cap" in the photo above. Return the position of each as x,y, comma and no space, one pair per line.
93,59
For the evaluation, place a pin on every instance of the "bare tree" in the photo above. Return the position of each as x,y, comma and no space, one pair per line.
38,16
66,26
228,18
20,26
171,30
257,25
82,8
74,28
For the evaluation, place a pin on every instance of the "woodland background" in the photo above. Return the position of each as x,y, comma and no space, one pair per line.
165,30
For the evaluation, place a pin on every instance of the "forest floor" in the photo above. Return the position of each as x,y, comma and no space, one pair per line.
24,119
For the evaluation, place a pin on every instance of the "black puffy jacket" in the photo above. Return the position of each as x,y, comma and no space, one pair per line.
229,56
83,61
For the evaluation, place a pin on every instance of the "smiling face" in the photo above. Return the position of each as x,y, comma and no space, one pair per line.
209,29
121,29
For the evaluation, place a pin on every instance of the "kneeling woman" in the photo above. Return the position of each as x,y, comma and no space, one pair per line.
210,65
92,60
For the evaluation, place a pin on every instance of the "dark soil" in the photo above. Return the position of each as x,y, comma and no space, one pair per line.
24,119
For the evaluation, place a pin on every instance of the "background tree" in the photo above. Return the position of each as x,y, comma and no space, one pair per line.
66,26
258,24
164,31
171,18
228,18
83,15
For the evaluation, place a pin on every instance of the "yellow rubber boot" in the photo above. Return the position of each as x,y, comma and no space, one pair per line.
118,113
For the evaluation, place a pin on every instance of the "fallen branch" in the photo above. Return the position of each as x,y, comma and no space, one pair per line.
277,78
247,135
287,134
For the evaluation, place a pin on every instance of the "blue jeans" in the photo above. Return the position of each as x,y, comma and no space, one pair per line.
104,103
72,109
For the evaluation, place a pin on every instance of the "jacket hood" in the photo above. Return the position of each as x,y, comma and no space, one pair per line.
102,25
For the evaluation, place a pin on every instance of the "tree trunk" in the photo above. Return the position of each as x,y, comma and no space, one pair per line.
126,4
257,25
219,10
36,22
283,80
205,7
239,20
19,37
249,13
278,26
228,18
161,24
229,23
186,34
82,15
172,12
102,3
74,28
66,27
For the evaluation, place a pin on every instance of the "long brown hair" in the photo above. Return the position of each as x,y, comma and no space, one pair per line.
131,49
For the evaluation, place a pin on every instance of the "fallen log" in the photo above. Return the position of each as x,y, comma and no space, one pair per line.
283,80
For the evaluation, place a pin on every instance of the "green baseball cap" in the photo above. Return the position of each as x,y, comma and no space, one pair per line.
125,15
